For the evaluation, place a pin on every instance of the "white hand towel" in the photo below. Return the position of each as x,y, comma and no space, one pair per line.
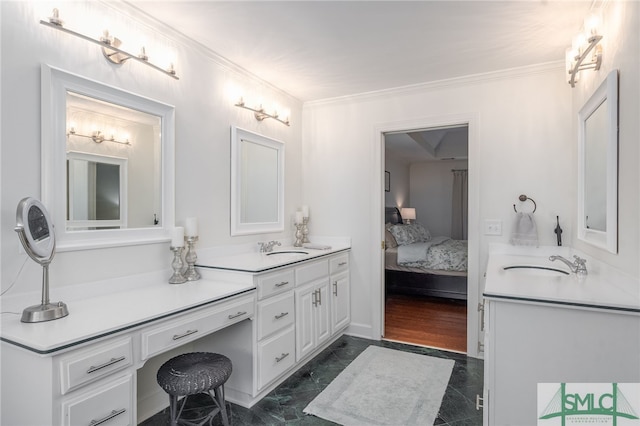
524,231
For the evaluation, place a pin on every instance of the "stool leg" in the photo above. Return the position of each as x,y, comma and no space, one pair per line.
173,409
219,398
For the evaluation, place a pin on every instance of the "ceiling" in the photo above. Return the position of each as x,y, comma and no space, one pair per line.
325,49
443,143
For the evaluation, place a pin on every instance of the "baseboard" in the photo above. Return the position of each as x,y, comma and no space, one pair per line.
361,330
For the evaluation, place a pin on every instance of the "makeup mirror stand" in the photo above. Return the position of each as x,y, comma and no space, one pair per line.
45,311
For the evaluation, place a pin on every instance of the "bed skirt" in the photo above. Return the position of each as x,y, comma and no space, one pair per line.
412,283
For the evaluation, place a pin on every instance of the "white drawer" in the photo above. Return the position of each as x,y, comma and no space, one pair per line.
85,366
178,332
275,314
108,405
339,264
311,272
274,283
275,356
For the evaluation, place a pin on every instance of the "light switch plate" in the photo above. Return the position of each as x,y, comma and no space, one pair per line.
492,227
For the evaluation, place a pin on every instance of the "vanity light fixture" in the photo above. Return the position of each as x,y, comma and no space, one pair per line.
585,44
110,46
261,114
98,137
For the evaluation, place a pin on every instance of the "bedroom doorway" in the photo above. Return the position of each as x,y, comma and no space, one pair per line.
425,297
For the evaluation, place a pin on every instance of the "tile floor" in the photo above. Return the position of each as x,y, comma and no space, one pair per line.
284,405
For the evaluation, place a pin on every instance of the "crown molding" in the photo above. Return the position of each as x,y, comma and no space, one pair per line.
450,82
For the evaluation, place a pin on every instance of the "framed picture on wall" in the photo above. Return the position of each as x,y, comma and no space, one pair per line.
387,181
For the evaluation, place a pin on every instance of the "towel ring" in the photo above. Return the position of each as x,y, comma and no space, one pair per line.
524,198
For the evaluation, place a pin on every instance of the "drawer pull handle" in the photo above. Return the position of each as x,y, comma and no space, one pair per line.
280,284
239,314
342,263
283,314
185,334
281,357
479,402
112,361
110,416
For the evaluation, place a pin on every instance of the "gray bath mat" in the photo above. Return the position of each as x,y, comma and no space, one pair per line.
385,387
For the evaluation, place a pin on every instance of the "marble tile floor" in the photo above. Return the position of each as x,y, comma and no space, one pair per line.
284,405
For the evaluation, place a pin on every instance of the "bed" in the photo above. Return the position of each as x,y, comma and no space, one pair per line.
418,264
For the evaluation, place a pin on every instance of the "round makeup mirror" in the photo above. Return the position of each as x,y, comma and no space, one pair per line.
35,231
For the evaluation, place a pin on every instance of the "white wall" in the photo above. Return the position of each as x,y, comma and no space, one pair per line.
398,196
524,142
204,114
432,194
621,50
520,142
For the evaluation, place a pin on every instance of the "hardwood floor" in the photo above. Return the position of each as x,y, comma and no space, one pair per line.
426,321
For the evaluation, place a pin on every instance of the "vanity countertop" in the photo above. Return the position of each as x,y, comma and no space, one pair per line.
106,307
603,288
259,262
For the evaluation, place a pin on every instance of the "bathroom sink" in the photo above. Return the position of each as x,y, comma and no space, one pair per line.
288,253
536,270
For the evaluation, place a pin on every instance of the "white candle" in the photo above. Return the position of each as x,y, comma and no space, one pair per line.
298,217
305,211
177,237
191,227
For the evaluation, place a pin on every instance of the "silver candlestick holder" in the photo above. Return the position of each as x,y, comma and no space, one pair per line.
191,257
177,265
305,230
299,235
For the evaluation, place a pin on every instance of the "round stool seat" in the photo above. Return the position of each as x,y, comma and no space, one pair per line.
195,372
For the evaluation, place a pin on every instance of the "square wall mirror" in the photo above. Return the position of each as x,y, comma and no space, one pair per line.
257,183
598,167
107,162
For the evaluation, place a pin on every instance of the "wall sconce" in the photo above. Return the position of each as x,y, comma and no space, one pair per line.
97,137
408,214
110,46
261,114
584,44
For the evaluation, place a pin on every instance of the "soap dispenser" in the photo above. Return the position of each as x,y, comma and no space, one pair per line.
558,231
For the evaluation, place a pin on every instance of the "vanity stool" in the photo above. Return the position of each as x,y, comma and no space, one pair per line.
191,374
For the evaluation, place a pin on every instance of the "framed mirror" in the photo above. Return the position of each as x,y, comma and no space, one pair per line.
257,183
107,162
598,167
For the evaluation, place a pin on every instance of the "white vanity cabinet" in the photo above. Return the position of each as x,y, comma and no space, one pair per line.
529,343
553,328
340,292
82,369
275,326
301,308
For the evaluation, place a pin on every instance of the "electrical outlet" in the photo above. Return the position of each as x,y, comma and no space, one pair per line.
492,227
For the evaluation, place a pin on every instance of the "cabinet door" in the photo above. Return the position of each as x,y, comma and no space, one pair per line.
322,316
340,302
305,306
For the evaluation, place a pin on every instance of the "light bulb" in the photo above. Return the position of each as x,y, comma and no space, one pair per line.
592,24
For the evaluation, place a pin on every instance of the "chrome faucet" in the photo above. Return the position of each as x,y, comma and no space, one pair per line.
578,267
268,247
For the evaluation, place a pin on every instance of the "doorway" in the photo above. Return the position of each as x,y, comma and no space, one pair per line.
425,302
